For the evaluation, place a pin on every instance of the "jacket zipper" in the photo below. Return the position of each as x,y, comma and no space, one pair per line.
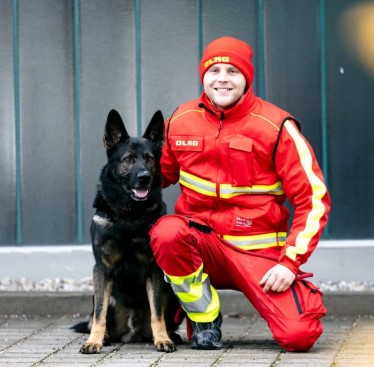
218,155
218,179
221,118
219,129
297,300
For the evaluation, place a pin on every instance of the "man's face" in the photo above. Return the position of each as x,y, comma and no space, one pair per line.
224,84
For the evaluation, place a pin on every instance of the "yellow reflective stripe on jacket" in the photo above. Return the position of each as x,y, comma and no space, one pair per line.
197,184
312,224
227,191
256,242
196,295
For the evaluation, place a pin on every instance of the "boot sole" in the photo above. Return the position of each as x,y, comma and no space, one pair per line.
207,347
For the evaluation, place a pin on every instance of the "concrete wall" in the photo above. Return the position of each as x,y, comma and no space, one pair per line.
332,261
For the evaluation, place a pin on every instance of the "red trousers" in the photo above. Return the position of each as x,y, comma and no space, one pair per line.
293,316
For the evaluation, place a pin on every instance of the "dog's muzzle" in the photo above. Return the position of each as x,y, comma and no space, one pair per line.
141,190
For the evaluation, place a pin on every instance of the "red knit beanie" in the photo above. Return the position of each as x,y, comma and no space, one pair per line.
228,50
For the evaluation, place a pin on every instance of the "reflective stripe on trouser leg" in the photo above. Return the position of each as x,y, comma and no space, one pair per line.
197,296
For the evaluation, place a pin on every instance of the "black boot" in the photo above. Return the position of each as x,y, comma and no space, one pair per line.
207,335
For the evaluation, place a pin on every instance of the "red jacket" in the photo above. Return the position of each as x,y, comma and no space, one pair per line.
236,168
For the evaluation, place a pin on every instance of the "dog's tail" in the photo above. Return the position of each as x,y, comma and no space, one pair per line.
81,327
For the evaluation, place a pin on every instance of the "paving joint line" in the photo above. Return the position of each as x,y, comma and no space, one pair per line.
345,342
107,356
278,358
159,360
231,346
222,355
20,341
41,362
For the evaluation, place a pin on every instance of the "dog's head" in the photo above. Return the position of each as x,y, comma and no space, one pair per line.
134,163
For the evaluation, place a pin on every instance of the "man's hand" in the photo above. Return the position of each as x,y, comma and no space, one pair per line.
278,279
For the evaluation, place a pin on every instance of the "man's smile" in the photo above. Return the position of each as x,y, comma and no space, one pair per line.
223,91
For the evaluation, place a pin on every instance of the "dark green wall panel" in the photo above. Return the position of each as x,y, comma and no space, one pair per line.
8,213
108,76
292,63
351,123
46,124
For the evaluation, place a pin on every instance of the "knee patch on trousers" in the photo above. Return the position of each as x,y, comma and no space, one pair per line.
298,336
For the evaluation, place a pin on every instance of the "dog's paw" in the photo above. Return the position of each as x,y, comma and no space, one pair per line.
91,348
176,338
165,346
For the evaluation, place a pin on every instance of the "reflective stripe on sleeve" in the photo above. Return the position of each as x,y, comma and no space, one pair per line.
312,223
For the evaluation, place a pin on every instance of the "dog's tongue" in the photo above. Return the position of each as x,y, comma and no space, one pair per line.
140,193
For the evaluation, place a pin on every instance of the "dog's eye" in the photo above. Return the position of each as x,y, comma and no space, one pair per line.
128,159
150,160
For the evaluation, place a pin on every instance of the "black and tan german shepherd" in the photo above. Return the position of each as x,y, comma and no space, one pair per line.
131,301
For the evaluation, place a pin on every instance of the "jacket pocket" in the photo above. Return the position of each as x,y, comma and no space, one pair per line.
241,161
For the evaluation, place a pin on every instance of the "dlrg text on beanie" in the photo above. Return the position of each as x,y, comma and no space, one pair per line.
228,50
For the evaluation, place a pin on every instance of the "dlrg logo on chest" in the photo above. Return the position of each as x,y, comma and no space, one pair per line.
187,143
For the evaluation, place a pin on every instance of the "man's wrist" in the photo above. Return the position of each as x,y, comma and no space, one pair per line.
290,264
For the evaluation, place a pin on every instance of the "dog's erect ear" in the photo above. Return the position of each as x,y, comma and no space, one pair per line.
155,130
115,130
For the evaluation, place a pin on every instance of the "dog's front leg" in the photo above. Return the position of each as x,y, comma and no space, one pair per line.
160,336
102,293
